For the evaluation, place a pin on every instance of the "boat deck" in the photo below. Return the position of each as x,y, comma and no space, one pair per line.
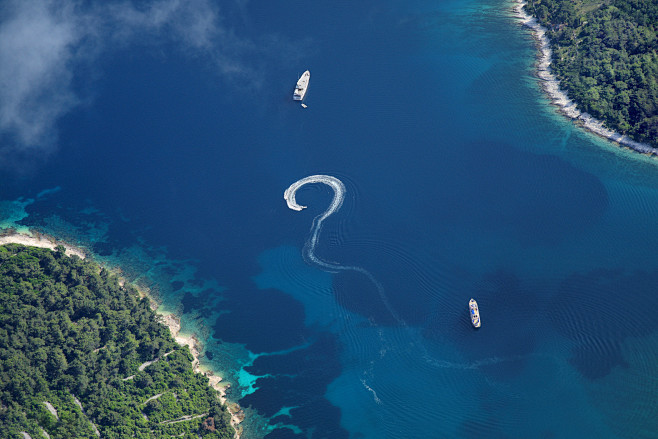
474,313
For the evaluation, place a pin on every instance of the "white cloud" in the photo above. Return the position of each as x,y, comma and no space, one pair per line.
36,50
43,42
194,23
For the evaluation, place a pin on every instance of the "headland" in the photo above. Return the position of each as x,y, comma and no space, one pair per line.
170,320
559,98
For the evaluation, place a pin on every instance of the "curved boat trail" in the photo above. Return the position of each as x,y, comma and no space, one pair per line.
309,247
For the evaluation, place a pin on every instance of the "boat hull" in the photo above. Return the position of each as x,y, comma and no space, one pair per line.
302,86
474,313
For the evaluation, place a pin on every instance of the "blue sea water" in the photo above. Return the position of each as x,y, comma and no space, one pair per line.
461,181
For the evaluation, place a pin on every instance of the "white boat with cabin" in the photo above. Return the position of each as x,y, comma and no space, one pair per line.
474,312
302,86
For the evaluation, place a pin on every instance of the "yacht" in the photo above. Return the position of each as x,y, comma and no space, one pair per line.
302,86
475,313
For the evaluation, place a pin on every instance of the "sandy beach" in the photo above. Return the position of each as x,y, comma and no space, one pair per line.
559,97
170,320
39,240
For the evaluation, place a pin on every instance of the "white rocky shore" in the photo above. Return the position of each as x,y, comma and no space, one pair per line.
173,323
559,97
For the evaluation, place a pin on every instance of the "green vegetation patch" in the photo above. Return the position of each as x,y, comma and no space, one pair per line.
71,344
605,56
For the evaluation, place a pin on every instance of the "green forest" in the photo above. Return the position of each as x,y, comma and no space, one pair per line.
72,341
605,56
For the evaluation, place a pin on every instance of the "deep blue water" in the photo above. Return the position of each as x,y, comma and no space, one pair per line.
461,181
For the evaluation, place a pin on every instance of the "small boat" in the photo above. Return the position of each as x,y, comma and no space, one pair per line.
302,86
475,313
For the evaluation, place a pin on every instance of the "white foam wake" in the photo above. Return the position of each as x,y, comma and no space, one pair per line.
309,248
371,390
339,195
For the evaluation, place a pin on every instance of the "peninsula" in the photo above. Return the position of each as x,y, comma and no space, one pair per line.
83,356
603,58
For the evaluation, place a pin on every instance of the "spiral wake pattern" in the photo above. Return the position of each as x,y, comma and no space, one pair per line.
309,247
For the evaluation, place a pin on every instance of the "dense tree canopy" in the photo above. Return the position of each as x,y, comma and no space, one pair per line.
605,55
72,341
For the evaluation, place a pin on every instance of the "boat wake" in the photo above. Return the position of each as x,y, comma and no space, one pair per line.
309,247
404,334
339,195
371,390
478,364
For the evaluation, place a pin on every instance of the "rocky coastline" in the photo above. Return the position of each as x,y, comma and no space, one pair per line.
558,97
172,322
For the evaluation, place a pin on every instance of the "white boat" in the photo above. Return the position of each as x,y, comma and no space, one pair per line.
302,86
475,313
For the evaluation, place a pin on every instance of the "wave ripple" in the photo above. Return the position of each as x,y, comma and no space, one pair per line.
309,248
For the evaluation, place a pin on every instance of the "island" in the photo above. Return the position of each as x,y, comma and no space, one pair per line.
84,356
605,57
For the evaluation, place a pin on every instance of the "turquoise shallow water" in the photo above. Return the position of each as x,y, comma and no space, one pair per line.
461,181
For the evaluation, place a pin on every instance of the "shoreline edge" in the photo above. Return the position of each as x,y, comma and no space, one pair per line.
170,320
558,97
